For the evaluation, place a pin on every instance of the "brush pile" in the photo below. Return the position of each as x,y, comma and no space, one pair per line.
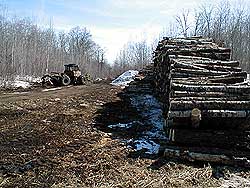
205,94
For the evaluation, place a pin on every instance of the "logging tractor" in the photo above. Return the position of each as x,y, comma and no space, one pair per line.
71,75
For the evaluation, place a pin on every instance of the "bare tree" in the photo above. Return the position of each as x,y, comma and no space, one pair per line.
228,25
26,49
182,21
134,55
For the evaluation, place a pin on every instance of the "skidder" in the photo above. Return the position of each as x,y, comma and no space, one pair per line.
71,75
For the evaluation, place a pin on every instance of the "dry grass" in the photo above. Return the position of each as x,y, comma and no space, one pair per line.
52,142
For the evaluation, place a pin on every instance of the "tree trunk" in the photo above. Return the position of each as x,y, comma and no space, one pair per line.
203,88
210,105
211,114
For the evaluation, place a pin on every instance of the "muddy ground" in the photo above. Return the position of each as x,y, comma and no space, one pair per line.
59,138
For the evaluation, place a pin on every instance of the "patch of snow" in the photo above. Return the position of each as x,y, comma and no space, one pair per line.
30,79
19,82
52,89
121,125
235,181
15,84
124,125
22,84
98,79
125,78
149,145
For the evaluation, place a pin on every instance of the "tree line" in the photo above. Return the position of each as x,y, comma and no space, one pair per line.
133,55
26,49
228,25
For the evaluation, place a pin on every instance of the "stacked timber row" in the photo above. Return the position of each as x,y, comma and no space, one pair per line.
206,96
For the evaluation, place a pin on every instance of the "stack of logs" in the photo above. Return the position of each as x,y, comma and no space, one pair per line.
206,96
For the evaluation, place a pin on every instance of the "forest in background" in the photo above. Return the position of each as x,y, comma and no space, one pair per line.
27,49
228,24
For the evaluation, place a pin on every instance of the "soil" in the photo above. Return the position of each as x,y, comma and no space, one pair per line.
59,138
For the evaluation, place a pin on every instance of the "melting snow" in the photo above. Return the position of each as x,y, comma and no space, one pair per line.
122,125
151,112
22,84
151,146
19,82
125,78
15,84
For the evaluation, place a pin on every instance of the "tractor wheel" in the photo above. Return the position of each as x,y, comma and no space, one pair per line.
65,80
80,80
46,80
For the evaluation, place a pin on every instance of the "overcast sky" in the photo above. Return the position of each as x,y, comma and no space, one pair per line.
111,22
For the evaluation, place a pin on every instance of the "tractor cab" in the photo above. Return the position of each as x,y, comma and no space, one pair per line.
71,75
71,67
73,72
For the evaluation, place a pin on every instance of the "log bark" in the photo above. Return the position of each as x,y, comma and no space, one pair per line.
206,157
211,114
196,82
223,89
201,94
186,66
202,72
210,78
202,66
228,80
189,57
204,61
218,67
204,97
210,105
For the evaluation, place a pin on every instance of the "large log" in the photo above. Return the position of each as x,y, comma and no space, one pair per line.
182,57
212,55
194,77
186,66
206,157
202,72
210,105
201,66
207,98
201,94
218,67
204,61
227,138
211,114
228,80
197,82
224,89
236,81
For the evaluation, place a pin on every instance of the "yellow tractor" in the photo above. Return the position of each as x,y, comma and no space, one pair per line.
71,75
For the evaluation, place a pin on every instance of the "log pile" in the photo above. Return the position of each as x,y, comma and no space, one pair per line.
206,96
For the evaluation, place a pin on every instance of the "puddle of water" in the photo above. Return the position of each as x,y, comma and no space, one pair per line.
151,112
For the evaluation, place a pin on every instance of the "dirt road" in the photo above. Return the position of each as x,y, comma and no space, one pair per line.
43,93
59,138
